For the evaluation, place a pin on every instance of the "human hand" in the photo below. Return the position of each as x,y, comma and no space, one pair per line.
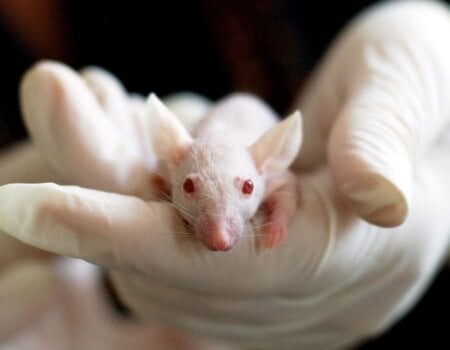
61,304
378,104
52,302
335,279
27,284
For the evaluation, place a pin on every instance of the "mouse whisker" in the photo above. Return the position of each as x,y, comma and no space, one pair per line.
184,211
262,225
181,233
164,194
257,233
175,182
258,229
152,198
178,206
193,239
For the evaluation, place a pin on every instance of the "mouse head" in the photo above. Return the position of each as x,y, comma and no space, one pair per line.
217,184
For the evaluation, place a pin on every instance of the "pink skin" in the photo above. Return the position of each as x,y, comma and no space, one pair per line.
279,204
218,233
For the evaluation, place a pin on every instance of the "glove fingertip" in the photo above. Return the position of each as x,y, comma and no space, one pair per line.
375,199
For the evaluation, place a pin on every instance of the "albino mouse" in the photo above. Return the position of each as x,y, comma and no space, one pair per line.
235,162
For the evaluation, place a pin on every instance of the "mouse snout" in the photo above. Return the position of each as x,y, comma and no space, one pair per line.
219,233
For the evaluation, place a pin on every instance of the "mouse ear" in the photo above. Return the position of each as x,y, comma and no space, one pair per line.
168,136
278,147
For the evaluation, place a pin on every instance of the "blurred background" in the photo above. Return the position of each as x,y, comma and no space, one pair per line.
267,47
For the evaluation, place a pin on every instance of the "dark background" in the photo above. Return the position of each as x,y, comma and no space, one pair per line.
268,47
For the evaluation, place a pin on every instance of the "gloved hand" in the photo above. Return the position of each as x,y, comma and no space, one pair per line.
52,302
61,305
377,108
377,105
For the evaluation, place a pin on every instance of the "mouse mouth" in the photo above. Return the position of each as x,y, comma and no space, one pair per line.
218,242
218,233
218,245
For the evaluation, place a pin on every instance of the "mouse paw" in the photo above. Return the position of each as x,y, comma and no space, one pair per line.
275,231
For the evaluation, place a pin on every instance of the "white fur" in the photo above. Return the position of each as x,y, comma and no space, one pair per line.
239,139
170,132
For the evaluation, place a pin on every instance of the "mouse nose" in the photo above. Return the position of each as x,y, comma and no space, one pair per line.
218,234
218,242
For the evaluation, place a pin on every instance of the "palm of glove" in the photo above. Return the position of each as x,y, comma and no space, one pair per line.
336,278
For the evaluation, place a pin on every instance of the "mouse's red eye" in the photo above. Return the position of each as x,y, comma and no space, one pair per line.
247,187
188,186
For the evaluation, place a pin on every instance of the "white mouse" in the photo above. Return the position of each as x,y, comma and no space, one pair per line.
235,162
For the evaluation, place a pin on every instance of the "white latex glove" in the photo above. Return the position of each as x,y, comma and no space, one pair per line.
63,306
336,279
377,105
48,302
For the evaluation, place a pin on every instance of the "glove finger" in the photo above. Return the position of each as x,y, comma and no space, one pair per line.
384,85
395,112
126,234
113,98
137,105
105,228
73,131
189,107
